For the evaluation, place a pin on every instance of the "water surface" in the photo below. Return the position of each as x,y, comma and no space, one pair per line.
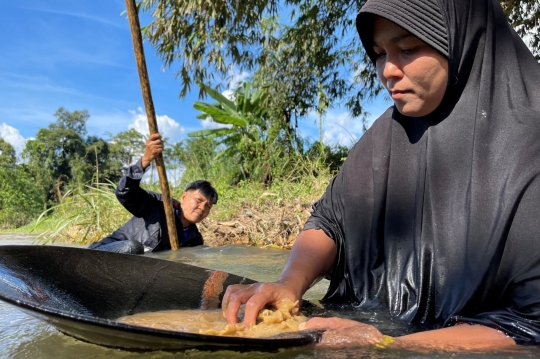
22,336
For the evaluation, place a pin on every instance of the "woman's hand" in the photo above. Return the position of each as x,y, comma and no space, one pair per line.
255,297
345,332
312,256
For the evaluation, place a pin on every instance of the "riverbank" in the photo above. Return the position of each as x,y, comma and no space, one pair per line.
247,214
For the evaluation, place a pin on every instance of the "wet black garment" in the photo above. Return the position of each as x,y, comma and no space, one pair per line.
148,224
437,219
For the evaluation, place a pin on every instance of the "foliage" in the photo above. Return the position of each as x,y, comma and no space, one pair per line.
306,50
60,154
126,146
330,157
8,158
20,198
84,215
247,213
256,145
198,158
312,51
525,17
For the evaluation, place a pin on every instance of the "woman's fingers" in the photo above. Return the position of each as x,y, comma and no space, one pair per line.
234,297
255,297
257,302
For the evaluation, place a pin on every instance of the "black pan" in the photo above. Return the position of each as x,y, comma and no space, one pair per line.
81,292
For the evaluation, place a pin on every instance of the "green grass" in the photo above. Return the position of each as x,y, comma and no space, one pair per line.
247,213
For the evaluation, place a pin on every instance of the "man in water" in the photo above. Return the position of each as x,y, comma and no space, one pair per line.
147,230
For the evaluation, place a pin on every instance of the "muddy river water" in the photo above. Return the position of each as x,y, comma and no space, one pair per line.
22,336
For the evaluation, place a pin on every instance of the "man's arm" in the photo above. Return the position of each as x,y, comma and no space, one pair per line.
128,192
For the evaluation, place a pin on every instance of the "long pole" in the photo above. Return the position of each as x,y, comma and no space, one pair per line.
135,27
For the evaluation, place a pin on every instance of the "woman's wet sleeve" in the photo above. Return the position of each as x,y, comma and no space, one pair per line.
324,215
517,312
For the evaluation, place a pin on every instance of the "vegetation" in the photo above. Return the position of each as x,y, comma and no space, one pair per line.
250,213
306,51
266,181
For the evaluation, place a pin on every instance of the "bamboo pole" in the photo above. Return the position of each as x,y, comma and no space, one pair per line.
136,36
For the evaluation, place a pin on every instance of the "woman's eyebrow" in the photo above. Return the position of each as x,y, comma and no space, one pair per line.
396,39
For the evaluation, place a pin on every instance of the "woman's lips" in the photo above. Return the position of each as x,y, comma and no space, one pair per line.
397,95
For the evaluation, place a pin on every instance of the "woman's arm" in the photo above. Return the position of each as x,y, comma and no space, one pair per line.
312,256
462,337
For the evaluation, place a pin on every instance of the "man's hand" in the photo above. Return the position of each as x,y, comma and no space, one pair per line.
154,146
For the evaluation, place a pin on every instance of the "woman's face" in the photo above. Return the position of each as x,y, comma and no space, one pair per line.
414,73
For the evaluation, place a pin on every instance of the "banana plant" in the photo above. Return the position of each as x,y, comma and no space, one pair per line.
247,122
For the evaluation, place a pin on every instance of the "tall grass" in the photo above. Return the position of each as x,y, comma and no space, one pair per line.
84,215
248,213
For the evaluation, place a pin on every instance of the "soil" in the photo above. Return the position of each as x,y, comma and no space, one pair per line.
275,228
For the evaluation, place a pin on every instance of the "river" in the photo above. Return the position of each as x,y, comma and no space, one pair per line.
22,336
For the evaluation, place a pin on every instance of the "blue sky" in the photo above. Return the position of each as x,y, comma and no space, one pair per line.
78,54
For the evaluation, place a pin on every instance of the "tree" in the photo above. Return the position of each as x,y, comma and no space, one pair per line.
125,146
58,155
524,15
8,158
308,58
20,198
251,138
312,56
97,161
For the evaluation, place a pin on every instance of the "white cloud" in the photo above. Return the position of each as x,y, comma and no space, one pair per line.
118,24
13,137
167,126
235,79
209,124
342,129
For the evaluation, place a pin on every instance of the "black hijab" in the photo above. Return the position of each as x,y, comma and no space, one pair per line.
437,218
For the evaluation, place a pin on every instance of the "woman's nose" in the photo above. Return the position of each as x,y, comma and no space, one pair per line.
392,69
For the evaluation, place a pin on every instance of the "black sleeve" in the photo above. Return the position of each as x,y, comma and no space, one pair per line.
517,310
136,200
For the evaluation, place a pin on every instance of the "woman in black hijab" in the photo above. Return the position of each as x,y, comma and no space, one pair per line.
435,215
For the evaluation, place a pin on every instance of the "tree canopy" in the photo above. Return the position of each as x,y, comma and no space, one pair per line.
307,50
7,155
61,154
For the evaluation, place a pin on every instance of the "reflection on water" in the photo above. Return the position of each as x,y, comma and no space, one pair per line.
22,336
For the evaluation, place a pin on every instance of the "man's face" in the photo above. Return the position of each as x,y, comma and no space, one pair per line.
195,206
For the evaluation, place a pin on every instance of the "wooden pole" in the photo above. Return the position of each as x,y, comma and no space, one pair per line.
136,36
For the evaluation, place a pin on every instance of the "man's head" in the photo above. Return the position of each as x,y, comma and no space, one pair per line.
197,200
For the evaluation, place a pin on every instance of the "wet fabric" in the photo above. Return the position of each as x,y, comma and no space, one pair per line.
118,246
437,218
149,223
